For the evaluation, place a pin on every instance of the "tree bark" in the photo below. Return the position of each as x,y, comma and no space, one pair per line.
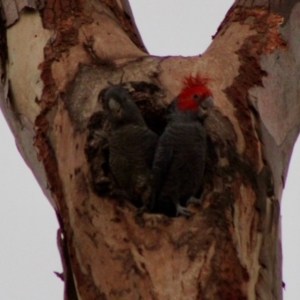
56,56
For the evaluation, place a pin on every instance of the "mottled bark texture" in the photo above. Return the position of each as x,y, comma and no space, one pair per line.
56,56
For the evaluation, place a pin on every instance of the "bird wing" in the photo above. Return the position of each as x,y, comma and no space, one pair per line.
161,165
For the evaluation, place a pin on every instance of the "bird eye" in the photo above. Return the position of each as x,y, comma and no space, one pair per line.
196,97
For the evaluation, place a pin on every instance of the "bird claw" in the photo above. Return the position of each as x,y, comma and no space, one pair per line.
194,200
182,211
139,215
140,211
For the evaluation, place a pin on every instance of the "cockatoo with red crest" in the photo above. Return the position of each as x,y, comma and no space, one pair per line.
179,160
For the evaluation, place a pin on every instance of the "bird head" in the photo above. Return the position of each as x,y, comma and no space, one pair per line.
195,96
121,108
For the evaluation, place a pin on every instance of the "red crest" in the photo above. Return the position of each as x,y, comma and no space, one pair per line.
193,85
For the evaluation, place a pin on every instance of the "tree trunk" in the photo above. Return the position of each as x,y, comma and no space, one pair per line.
56,56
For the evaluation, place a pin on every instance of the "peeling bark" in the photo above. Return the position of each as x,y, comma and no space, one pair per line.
230,247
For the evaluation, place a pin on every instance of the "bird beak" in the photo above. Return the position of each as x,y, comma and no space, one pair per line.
114,107
207,103
204,107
